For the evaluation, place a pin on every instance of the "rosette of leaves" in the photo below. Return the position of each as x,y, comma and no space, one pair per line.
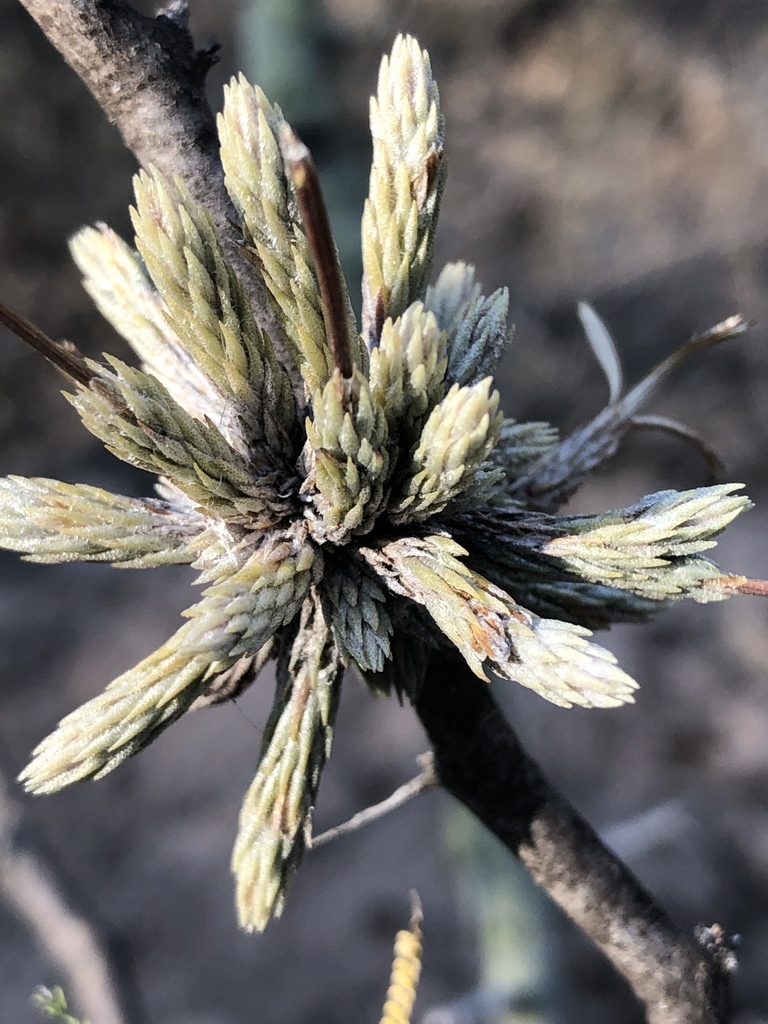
347,496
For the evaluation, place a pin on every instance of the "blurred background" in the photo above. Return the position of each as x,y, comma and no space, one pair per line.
609,150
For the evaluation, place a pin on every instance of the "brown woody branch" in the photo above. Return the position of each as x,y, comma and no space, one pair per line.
480,761
149,79
65,357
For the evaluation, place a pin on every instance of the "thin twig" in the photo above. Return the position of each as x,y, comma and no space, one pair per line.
665,424
66,358
317,228
755,588
406,792
38,894
479,759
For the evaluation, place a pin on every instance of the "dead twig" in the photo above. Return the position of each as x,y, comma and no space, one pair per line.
424,780
37,893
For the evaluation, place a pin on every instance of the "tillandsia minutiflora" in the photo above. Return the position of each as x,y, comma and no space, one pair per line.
348,497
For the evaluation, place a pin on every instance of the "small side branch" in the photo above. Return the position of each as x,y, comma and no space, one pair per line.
32,888
65,357
402,795
480,761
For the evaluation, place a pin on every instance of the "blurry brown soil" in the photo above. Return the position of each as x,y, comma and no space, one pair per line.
616,152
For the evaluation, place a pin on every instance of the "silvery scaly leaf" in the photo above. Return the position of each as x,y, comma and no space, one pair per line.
250,129
209,311
345,459
475,325
553,658
355,605
455,441
50,521
116,280
407,373
521,445
455,289
652,547
407,179
505,545
405,669
234,619
276,815
139,421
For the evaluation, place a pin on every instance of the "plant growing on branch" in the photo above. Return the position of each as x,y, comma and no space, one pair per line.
349,495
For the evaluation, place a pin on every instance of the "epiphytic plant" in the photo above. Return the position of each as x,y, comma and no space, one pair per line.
348,497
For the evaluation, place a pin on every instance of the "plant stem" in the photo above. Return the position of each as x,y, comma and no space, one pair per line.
480,761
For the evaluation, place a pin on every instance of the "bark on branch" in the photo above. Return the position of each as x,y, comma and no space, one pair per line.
480,761
149,79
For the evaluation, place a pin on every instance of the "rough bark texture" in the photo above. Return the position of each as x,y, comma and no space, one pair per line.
480,761
149,79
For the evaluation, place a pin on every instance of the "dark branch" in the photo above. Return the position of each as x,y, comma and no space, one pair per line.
480,761
66,358
149,80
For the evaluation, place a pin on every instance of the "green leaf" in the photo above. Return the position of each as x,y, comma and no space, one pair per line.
53,1004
